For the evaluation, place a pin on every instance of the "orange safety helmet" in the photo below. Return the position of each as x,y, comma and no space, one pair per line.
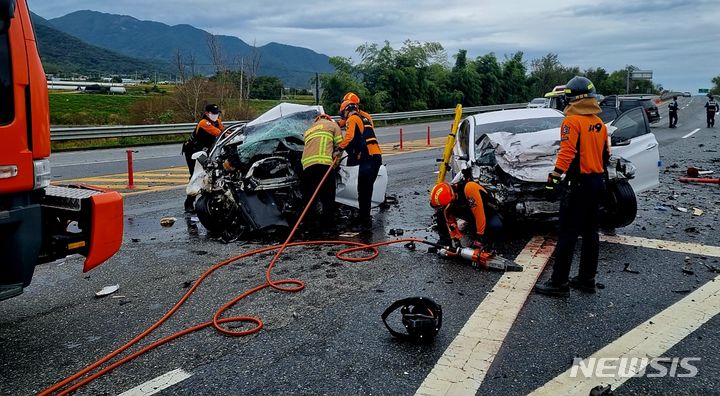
347,105
352,96
323,116
441,195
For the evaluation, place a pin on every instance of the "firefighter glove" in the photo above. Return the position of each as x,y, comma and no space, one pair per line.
553,181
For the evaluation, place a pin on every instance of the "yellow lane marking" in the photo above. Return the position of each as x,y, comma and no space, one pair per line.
177,177
672,246
412,145
153,189
463,366
119,179
647,341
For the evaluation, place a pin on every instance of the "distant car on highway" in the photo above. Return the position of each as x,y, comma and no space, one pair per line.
538,103
623,103
687,94
511,152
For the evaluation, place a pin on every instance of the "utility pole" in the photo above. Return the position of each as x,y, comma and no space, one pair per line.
317,89
242,67
627,82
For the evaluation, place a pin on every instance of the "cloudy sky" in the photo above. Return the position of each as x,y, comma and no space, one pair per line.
678,39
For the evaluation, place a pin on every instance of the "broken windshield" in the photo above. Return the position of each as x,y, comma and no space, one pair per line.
266,138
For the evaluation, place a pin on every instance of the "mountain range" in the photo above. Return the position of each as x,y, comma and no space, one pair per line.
61,52
156,44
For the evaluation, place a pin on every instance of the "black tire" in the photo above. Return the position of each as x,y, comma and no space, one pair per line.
205,207
620,206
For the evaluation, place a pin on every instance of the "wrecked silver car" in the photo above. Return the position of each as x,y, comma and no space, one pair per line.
250,181
511,153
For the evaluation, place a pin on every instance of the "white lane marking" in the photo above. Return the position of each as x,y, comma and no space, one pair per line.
157,384
679,247
463,366
691,133
649,340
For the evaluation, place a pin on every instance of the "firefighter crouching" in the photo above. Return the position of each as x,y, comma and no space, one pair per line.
363,149
463,217
321,141
583,156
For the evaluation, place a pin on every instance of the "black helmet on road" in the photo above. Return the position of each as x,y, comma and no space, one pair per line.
578,88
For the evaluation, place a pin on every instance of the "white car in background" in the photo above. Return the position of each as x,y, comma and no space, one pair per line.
511,152
538,103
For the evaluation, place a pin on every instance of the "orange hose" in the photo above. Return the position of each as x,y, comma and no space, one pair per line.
75,381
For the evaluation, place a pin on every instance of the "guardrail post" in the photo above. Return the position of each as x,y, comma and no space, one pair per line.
428,142
401,140
131,180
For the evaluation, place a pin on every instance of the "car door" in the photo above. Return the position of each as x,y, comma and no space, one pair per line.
633,141
463,149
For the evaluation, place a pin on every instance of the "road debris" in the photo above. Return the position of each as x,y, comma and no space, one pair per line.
396,232
601,391
682,291
626,269
681,209
167,221
704,180
107,290
697,212
661,208
712,268
687,269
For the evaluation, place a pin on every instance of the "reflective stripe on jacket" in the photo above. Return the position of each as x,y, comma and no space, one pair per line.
320,142
712,106
359,133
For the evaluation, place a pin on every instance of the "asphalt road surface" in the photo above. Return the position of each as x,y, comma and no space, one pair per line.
329,339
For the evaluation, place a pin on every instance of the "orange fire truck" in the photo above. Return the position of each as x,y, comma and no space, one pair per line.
40,222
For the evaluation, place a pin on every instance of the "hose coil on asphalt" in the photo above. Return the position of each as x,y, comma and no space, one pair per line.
218,322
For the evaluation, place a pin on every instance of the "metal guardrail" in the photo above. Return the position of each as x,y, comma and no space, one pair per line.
75,133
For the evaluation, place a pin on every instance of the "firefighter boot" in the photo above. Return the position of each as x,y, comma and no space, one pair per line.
550,288
583,285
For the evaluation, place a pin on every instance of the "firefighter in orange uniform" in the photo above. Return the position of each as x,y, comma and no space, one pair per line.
351,96
363,149
583,157
203,137
458,204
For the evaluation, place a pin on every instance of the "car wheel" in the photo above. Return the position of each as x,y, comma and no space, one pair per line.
209,212
620,206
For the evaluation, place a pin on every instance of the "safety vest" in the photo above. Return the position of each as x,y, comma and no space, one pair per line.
364,144
673,107
320,141
711,106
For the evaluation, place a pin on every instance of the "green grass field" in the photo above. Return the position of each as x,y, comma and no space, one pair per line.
75,108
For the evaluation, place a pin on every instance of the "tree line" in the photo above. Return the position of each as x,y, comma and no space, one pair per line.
418,76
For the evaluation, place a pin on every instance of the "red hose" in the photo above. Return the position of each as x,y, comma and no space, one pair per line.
290,285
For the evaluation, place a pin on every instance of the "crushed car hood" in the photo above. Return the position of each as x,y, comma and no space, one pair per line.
527,156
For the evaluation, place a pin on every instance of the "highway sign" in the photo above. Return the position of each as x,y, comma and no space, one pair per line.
641,75
703,90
